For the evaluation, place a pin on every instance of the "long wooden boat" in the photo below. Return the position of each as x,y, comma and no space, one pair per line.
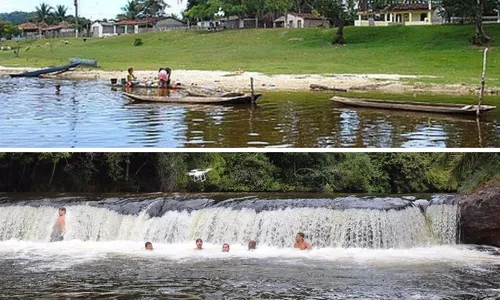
46,71
443,108
223,99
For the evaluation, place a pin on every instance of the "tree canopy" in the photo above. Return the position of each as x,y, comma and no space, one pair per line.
246,172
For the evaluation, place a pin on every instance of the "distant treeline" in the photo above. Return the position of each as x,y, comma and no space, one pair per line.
242,172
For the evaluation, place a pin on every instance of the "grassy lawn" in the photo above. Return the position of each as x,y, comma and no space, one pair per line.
442,51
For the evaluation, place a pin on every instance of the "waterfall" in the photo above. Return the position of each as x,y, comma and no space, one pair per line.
323,227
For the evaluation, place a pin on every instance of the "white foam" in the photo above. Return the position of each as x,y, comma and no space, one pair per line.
323,227
72,252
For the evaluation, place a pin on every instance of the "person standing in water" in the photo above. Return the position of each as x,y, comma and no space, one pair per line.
225,248
59,228
199,244
148,246
163,78
300,243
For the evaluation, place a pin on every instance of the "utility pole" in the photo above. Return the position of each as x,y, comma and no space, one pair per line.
76,17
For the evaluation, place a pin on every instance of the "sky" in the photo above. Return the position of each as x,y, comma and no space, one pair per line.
91,9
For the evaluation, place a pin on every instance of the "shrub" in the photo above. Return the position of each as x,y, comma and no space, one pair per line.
138,42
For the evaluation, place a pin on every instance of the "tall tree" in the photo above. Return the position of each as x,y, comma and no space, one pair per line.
152,8
60,13
43,12
131,10
480,37
338,39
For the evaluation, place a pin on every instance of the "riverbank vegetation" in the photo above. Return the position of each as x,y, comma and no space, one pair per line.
440,51
247,172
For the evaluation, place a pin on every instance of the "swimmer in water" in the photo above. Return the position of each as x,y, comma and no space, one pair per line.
199,244
225,248
300,243
59,227
148,246
252,245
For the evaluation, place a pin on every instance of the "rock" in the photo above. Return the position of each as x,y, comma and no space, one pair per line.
422,204
479,217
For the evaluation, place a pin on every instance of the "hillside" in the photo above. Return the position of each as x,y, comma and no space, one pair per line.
442,51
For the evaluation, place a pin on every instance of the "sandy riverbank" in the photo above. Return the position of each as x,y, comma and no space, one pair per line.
391,83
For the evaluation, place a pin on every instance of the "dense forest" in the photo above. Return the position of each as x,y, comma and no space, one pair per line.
241,172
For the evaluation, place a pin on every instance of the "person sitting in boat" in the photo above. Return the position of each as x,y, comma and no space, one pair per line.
131,77
164,78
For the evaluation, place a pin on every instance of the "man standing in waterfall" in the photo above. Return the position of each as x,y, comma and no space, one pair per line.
60,227
300,243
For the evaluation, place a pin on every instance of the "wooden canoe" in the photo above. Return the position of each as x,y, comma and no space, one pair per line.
443,108
229,99
40,72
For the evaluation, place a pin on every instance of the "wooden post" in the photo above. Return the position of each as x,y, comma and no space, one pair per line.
253,92
483,82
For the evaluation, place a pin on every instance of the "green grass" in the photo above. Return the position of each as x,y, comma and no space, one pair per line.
442,51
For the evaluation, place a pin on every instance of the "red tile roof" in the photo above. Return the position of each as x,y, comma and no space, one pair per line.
407,7
28,26
138,21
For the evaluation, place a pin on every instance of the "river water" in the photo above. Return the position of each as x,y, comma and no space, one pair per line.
393,249
88,114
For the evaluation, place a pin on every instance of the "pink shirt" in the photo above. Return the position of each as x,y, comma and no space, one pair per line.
163,75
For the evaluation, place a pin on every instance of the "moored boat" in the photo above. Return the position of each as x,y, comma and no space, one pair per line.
232,98
37,73
443,108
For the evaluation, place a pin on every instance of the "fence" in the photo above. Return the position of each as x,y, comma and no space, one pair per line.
486,20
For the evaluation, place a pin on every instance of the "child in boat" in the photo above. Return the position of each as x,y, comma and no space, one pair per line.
163,77
130,77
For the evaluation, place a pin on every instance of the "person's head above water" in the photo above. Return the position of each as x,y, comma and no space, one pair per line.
199,244
148,246
62,211
299,238
225,248
252,245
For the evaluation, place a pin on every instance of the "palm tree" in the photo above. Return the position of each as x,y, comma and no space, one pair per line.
152,8
60,12
460,164
130,11
43,12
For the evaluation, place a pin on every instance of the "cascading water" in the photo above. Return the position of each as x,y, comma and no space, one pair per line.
324,227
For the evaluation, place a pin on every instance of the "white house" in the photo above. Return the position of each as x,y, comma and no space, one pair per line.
409,14
102,29
299,20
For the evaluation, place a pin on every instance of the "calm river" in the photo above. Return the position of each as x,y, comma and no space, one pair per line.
89,114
